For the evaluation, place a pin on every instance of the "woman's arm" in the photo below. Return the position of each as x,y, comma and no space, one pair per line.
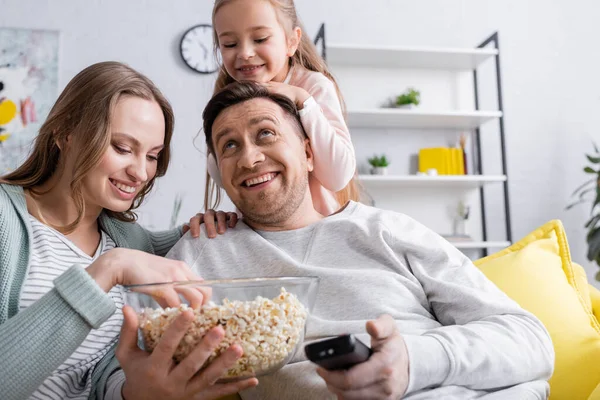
37,340
164,240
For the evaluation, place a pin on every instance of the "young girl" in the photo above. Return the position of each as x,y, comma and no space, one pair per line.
263,41
68,236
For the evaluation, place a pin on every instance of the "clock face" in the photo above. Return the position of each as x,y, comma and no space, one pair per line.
196,49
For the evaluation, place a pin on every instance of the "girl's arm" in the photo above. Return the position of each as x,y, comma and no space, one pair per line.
215,221
323,121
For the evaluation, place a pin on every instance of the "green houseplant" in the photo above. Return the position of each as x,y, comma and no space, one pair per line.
589,192
379,165
408,98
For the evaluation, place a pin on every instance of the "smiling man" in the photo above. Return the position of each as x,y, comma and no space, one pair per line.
438,327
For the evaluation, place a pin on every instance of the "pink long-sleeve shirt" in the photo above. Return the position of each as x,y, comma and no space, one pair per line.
323,121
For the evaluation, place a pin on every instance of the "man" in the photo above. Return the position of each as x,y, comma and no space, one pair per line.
441,329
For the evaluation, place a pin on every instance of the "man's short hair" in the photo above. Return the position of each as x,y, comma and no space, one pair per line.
239,92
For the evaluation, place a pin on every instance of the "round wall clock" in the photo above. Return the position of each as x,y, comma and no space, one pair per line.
196,49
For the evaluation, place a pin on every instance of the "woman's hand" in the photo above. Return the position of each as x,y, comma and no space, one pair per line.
155,375
294,93
215,221
122,266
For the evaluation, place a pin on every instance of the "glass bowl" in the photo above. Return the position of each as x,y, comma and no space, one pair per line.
265,316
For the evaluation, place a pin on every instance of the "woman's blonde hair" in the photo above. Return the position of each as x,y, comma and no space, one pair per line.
82,113
305,56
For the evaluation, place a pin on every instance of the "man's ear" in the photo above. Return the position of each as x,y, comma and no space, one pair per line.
294,41
310,160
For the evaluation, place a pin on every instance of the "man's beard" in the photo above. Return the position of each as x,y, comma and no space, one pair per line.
272,209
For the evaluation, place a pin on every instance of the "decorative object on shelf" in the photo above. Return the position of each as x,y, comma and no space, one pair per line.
379,165
196,49
445,160
460,220
409,99
462,142
593,224
429,172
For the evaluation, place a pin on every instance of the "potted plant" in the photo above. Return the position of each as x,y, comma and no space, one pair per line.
590,192
379,165
409,99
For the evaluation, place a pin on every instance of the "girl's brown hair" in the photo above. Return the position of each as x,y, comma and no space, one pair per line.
305,56
82,113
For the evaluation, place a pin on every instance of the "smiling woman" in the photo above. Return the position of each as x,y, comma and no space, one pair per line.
62,215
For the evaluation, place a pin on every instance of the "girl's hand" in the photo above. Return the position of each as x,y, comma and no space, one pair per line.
155,375
223,220
294,93
122,266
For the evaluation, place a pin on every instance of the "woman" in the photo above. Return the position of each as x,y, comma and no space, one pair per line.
68,236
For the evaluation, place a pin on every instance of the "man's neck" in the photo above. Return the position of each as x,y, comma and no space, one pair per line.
304,216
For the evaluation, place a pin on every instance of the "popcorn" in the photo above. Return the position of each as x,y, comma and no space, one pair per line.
267,330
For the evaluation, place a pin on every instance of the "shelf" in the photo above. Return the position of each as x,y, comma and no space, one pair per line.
418,181
417,119
408,57
480,245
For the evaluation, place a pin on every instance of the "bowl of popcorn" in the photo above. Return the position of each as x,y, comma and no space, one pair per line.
266,317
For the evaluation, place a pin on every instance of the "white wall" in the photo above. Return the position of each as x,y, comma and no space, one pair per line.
550,64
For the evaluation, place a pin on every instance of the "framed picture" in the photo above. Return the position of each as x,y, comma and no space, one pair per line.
28,88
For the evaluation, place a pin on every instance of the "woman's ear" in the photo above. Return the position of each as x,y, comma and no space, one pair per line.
294,41
62,142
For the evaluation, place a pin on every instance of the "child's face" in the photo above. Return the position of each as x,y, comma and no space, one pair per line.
253,43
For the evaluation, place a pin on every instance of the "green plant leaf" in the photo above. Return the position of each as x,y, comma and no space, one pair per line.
583,186
592,221
592,159
586,191
595,147
597,201
593,241
590,170
575,204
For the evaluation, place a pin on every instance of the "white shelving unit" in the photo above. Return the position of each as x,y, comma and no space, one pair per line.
418,119
408,57
370,73
480,245
448,181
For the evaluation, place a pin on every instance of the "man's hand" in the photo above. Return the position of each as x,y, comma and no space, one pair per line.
383,376
215,221
155,375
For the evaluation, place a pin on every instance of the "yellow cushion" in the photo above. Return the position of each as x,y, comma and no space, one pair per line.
537,273
595,394
595,297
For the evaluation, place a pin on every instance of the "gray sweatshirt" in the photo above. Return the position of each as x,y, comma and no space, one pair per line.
465,338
